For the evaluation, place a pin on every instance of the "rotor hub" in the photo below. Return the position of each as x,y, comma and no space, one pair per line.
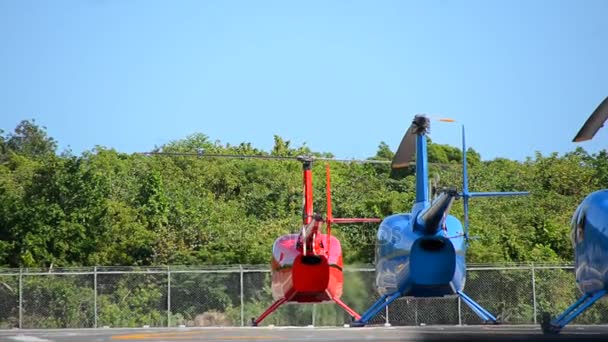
421,124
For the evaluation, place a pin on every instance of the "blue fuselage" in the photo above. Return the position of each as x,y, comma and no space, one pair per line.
419,264
590,241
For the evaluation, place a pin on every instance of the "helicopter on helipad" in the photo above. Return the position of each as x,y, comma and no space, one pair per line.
422,253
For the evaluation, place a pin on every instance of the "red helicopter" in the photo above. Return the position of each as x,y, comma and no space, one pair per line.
305,267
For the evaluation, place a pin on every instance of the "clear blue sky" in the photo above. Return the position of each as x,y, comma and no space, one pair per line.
522,75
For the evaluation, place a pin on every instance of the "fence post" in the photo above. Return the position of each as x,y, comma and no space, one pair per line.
168,296
534,292
416,311
95,296
459,311
20,298
386,323
314,311
242,299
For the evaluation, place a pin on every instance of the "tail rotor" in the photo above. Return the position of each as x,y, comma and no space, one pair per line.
465,187
465,194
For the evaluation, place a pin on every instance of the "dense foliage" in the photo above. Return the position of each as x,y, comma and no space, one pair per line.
109,208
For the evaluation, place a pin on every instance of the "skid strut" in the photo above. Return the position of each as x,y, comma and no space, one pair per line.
380,304
556,325
484,314
256,321
268,311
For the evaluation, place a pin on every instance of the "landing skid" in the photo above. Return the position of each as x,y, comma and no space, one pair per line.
380,304
385,300
271,309
346,308
484,314
255,322
555,326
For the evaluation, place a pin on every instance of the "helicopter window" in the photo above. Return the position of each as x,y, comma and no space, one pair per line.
580,227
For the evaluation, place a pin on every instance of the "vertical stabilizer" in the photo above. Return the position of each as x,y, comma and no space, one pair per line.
465,185
422,170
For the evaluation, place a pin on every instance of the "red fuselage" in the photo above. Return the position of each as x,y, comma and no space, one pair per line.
306,279
307,267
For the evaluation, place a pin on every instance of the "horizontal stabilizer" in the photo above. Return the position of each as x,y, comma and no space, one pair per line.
495,194
356,220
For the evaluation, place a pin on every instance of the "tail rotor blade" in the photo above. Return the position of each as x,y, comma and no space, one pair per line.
593,123
440,119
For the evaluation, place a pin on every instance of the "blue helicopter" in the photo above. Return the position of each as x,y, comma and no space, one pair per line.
590,239
422,253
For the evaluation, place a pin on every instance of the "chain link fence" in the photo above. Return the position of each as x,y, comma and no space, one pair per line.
233,295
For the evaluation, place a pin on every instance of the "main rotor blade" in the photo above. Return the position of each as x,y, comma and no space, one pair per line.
593,123
214,155
407,149
405,153
254,156
356,161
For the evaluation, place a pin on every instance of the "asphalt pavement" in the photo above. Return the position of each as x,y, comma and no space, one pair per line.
580,333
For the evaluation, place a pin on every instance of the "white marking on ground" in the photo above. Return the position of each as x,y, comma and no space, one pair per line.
24,338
